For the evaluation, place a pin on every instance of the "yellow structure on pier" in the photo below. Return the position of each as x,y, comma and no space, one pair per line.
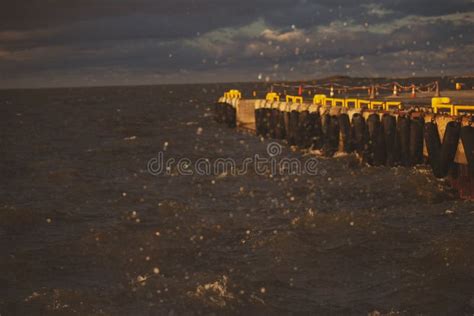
438,104
294,99
353,103
272,96
233,94
444,103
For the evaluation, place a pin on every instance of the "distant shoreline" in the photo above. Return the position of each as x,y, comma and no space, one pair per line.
445,82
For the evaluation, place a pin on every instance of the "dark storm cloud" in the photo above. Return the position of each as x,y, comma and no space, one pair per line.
114,41
32,14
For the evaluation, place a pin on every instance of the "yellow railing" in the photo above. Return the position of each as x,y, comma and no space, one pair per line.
338,102
363,104
272,96
353,103
328,101
438,107
440,100
319,99
395,104
438,104
350,103
463,108
298,99
377,105
233,94
444,103
294,99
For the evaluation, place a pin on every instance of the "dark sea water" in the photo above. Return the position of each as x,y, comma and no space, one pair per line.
85,229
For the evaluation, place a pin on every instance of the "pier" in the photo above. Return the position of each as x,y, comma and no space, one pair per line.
393,130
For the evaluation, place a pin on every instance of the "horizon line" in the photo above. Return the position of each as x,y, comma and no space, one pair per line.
237,82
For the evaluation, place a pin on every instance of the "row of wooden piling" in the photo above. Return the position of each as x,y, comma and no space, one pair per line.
380,138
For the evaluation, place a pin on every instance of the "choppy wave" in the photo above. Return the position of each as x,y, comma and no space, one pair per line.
86,229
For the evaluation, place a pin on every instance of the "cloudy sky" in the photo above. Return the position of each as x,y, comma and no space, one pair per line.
109,42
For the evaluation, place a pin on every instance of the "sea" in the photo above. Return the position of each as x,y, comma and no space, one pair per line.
87,227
